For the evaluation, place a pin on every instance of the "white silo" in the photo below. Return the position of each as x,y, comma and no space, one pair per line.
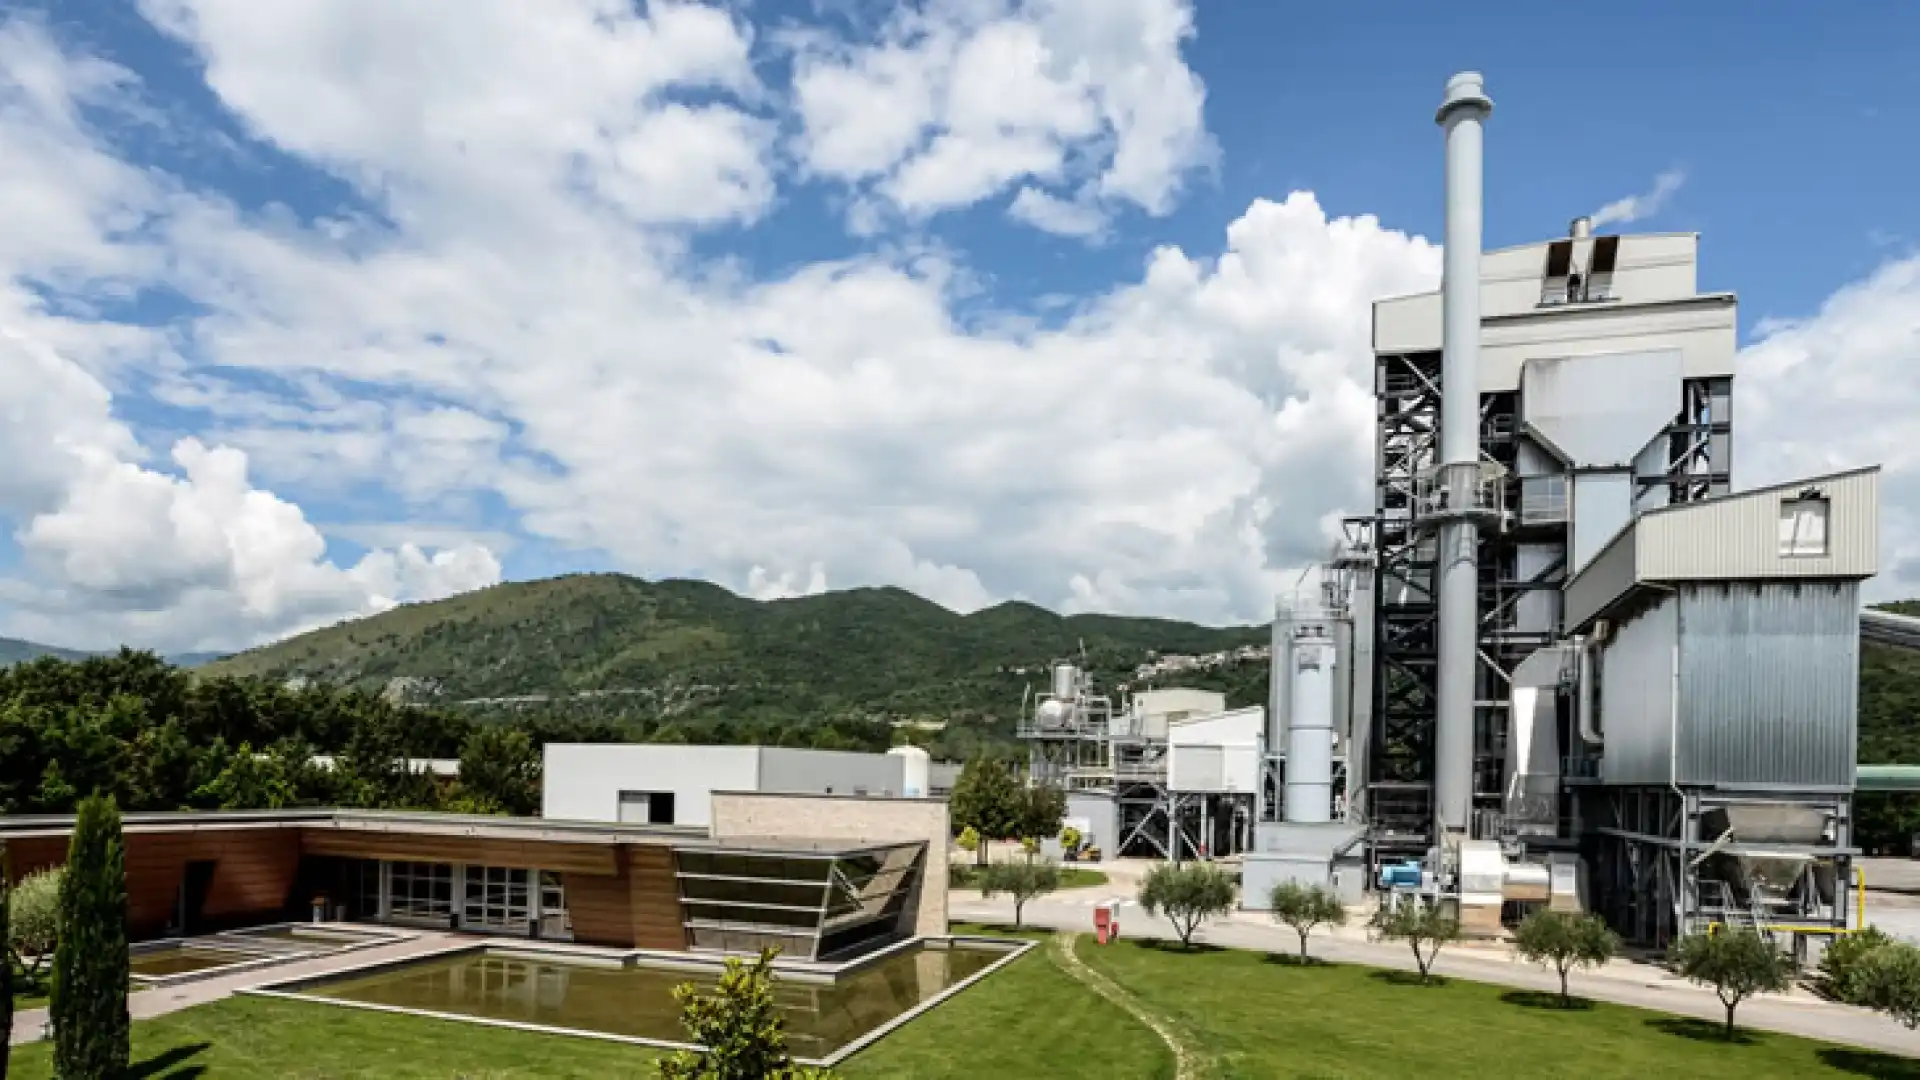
915,766
1066,679
1310,726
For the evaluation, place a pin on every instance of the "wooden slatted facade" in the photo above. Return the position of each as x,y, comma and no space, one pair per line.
618,894
567,858
638,907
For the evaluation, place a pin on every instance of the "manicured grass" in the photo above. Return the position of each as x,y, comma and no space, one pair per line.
1073,877
962,876
1256,1016
260,1038
1030,1019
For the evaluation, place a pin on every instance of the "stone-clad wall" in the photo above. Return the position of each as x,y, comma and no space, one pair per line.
864,819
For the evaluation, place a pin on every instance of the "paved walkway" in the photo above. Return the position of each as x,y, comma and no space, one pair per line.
29,1026
1623,982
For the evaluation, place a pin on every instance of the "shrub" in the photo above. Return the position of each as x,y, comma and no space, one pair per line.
1070,839
1304,907
1423,926
1736,963
89,1007
740,1026
33,923
1845,957
1565,942
1889,981
1188,894
1021,880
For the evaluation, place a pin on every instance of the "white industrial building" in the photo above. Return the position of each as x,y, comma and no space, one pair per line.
670,784
1573,665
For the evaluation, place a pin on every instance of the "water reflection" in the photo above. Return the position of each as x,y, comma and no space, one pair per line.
638,1002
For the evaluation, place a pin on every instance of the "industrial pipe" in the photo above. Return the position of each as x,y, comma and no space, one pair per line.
1461,114
1584,690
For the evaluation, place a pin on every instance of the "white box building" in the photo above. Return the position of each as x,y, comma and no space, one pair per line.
669,784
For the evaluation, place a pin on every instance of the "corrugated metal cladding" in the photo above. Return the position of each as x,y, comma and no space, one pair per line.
1769,683
1738,536
1636,697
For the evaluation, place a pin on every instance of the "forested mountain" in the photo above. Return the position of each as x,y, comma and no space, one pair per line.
14,651
686,658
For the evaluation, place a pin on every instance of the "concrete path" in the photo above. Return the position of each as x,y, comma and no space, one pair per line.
29,1026
1623,982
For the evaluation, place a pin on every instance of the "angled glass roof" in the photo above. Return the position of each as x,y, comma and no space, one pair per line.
811,905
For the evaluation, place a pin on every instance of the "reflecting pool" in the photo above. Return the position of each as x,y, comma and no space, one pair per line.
181,959
638,1002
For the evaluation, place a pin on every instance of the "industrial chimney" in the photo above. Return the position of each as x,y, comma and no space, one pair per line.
1461,114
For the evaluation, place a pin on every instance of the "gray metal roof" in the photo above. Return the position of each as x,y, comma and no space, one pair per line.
1732,538
409,822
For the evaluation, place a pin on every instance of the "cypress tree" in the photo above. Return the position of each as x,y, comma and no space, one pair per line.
6,969
89,1007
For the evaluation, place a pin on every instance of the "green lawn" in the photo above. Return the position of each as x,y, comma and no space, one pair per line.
1029,1019
1253,1016
961,876
1244,1014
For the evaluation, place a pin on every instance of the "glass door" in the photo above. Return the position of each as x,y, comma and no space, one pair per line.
498,900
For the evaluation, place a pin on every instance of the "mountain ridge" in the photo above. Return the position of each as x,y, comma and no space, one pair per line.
611,645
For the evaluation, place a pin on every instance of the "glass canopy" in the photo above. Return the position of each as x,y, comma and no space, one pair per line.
810,904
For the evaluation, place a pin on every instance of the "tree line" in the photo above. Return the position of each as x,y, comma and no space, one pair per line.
153,737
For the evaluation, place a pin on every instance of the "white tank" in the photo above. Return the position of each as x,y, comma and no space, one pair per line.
915,766
1064,678
1054,713
1310,730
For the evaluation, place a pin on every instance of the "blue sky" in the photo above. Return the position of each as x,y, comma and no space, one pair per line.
456,295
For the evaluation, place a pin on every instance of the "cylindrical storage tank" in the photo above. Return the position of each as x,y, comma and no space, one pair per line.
1064,676
1310,728
1279,691
1530,882
915,766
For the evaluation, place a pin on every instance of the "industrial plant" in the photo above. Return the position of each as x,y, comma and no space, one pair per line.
1562,661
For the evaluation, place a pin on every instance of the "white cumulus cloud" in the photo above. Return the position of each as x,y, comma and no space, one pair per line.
511,337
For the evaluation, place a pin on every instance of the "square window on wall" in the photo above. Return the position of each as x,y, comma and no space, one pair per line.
1803,526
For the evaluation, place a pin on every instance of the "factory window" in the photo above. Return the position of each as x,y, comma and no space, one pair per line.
646,807
1803,526
1543,499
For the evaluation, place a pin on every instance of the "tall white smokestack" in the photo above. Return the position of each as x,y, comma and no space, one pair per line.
1461,114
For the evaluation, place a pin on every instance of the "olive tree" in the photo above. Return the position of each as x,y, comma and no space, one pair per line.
33,923
1304,907
1565,941
1890,982
1736,963
1022,880
1423,926
1188,894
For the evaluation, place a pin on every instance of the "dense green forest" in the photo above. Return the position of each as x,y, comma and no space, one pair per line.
146,732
